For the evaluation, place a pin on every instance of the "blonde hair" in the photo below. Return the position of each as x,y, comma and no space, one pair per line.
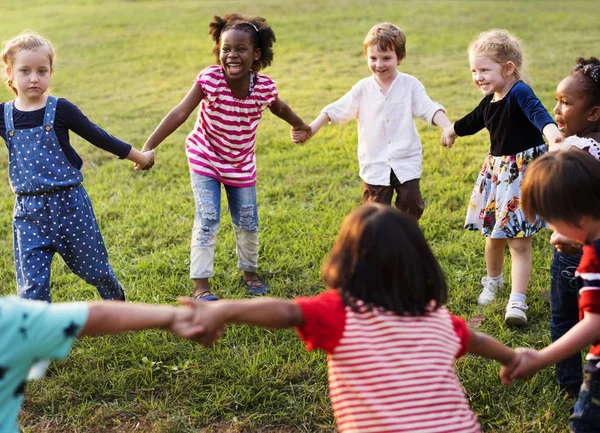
386,36
501,47
24,41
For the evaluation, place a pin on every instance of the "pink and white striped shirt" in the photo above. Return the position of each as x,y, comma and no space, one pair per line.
221,145
390,373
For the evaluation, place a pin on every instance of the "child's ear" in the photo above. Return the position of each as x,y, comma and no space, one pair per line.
9,72
509,68
400,59
594,114
257,54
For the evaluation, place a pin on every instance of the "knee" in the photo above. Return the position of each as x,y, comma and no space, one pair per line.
206,208
205,236
248,221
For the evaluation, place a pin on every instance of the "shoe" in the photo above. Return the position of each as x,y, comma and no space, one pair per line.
515,314
256,287
205,296
489,292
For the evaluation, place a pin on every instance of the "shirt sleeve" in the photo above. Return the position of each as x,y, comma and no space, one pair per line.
346,108
473,122
324,320
532,107
267,89
78,122
422,105
462,332
47,330
589,272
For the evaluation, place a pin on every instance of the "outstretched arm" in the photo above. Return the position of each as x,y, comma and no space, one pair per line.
283,111
488,347
109,317
265,312
553,135
174,119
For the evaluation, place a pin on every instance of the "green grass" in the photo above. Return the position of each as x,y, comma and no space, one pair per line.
127,63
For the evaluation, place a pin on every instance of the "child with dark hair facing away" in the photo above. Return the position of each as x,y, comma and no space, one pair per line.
391,343
390,153
31,331
516,120
569,201
577,114
52,213
232,96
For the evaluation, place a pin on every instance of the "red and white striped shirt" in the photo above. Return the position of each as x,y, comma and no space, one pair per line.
221,145
390,373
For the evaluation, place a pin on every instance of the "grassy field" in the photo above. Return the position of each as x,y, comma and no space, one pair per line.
126,63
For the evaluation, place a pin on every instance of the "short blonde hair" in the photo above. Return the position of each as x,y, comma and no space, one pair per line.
386,36
502,47
24,41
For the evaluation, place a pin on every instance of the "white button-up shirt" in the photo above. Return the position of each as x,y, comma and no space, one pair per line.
387,135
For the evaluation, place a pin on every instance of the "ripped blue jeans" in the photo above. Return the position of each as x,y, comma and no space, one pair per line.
244,216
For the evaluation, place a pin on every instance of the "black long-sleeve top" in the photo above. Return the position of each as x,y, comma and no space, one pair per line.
514,123
68,117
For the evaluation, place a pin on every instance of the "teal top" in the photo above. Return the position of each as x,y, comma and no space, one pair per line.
31,333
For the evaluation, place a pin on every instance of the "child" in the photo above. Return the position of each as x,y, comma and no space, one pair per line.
220,148
391,344
33,330
569,201
389,148
577,114
514,118
53,213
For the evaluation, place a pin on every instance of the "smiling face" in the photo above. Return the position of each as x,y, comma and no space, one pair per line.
383,64
30,73
573,113
237,53
490,76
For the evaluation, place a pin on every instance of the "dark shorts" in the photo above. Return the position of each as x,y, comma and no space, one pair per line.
408,195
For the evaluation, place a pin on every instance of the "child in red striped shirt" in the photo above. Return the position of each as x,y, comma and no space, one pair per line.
390,342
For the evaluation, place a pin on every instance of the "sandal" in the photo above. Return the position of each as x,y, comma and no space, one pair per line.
256,287
205,296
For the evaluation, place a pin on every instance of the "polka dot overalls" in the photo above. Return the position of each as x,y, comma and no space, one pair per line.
53,213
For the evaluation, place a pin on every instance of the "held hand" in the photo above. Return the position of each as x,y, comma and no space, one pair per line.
448,137
564,244
530,362
556,142
146,162
300,134
207,316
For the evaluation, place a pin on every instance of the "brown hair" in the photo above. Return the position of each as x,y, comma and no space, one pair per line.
261,35
24,41
562,186
502,47
381,258
386,36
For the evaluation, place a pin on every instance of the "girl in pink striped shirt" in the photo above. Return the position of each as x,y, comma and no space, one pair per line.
390,342
232,96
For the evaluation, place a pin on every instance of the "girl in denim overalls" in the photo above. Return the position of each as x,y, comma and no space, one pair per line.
53,213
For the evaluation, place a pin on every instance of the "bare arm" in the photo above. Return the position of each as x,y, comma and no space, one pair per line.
440,119
111,317
553,136
488,347
175,118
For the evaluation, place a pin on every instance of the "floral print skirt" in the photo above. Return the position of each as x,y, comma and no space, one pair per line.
495,204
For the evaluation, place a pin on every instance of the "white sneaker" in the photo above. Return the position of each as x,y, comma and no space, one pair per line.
489,292
515,314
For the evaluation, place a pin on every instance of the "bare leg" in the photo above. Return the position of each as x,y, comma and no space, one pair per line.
494,256
521,258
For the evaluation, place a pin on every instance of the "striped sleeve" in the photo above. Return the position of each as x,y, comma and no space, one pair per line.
589,272
208,80
324,320
265,87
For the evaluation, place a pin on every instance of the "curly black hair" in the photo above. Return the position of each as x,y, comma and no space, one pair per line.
589,71
260,32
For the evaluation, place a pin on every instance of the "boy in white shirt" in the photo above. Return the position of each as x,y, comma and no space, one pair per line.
389,148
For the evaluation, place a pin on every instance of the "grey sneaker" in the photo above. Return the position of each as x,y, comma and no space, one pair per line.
515,314
489,292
